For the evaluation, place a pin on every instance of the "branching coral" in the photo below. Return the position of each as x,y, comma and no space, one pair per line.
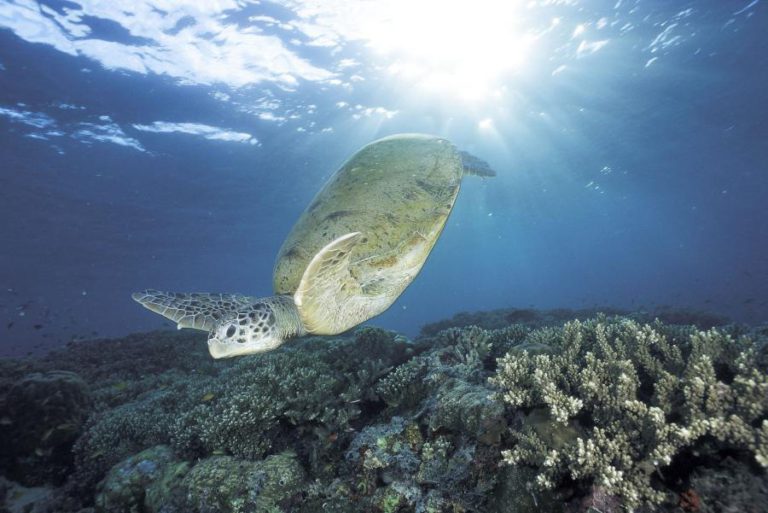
619,410
244,410
636,396
403,386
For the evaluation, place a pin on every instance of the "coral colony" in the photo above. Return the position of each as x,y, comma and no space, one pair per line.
522,413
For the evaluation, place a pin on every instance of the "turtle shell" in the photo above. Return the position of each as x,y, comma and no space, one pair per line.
397,192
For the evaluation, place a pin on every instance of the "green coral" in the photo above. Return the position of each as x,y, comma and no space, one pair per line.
223,484
464,407
385,449
308,388
154,481
634,396
404,387
452,353
140,483
255,395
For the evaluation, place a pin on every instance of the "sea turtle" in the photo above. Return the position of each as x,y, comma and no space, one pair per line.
357,246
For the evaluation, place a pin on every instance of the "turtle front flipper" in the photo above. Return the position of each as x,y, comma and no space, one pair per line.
200,311
330,300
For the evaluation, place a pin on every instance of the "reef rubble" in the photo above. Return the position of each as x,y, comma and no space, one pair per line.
510,411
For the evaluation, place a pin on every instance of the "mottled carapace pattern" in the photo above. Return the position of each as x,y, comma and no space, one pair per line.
397,193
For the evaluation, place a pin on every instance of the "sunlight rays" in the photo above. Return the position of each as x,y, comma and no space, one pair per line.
449,47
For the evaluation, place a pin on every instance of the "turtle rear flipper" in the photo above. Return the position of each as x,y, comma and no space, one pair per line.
330,300
195,310
475,165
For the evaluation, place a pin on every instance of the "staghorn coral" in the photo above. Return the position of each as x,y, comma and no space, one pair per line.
522,317
634,396
529,318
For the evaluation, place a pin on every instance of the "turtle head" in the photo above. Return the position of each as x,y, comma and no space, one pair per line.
252,329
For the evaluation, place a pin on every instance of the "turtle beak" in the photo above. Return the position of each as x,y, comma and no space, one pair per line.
227,348
216,348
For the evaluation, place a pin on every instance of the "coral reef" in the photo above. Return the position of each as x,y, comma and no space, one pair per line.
746,492
131,485
223,484
631,399
497,319
43,414
315,387
609,414
154,481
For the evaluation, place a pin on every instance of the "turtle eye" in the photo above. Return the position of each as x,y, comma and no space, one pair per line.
231,331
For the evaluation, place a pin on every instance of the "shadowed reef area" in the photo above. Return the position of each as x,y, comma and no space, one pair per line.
509,411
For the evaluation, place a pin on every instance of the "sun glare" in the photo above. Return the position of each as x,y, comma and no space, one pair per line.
457,48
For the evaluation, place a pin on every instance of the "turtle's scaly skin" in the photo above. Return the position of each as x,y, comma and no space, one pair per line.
353,251
397,192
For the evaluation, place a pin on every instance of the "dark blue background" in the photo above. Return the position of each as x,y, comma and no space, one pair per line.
679,220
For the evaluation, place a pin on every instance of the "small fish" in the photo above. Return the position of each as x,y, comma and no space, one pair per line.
208,397
9,325
67,427
37,326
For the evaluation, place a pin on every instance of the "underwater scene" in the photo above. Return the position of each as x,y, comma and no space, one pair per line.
383,256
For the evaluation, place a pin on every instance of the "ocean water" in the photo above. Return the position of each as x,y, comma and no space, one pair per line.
173,144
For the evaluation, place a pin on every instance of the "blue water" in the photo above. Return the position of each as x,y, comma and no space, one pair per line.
172,147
